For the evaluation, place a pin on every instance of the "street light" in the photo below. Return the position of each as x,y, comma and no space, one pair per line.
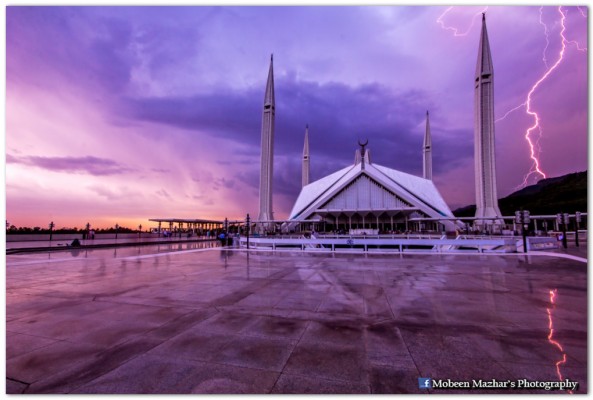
226,231
247,226
577,219
563,219
116,230
523,218
51,230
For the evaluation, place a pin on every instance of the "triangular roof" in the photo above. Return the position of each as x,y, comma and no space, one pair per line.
407,190
314,190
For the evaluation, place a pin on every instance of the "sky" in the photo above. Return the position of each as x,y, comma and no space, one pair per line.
120,114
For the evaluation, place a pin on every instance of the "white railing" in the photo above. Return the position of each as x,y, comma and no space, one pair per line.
484,244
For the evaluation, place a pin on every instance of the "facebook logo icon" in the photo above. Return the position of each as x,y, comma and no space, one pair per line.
424,383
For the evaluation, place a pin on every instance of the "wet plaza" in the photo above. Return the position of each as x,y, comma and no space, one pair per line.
189,319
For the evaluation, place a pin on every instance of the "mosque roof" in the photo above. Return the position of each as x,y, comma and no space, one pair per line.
367,186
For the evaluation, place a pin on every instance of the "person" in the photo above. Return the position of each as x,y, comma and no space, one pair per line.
75,243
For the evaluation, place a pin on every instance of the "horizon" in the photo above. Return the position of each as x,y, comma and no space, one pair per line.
119,111
146,228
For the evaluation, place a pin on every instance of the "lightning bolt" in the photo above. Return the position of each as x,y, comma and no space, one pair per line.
553,294
453,29
541,14
530,133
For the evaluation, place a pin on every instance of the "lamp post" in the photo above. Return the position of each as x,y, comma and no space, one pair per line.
565,221
562,218
116,230
226,231
247,227
51,231
577,220
522,217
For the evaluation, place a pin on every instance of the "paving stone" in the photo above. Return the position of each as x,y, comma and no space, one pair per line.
19,343
328,361
180,376
255,352
46,361
14,387
296,384
394,380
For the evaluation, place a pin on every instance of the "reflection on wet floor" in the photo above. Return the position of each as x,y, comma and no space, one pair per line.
553,294
175,319
116,252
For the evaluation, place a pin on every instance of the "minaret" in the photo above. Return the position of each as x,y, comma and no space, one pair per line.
427,152
267,149
484,149
305,180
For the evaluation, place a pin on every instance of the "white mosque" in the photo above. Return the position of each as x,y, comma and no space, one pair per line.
369,198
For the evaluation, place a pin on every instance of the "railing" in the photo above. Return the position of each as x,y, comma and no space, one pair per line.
382,236
401,244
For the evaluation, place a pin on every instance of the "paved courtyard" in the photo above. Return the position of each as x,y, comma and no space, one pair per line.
226,321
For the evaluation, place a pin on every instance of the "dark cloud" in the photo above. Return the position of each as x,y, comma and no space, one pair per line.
51,37
228,114
337,114
249,177
81,165
163,193
227,183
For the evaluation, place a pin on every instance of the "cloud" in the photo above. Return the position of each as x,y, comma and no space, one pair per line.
119,194
79,165
338,115
70,53
164,193
161,170
227,183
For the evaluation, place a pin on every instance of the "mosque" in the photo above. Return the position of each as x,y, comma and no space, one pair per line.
368,198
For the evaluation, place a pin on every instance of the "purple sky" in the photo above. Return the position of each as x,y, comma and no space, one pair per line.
120,114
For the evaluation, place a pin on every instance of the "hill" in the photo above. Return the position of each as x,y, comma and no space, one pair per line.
567,193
